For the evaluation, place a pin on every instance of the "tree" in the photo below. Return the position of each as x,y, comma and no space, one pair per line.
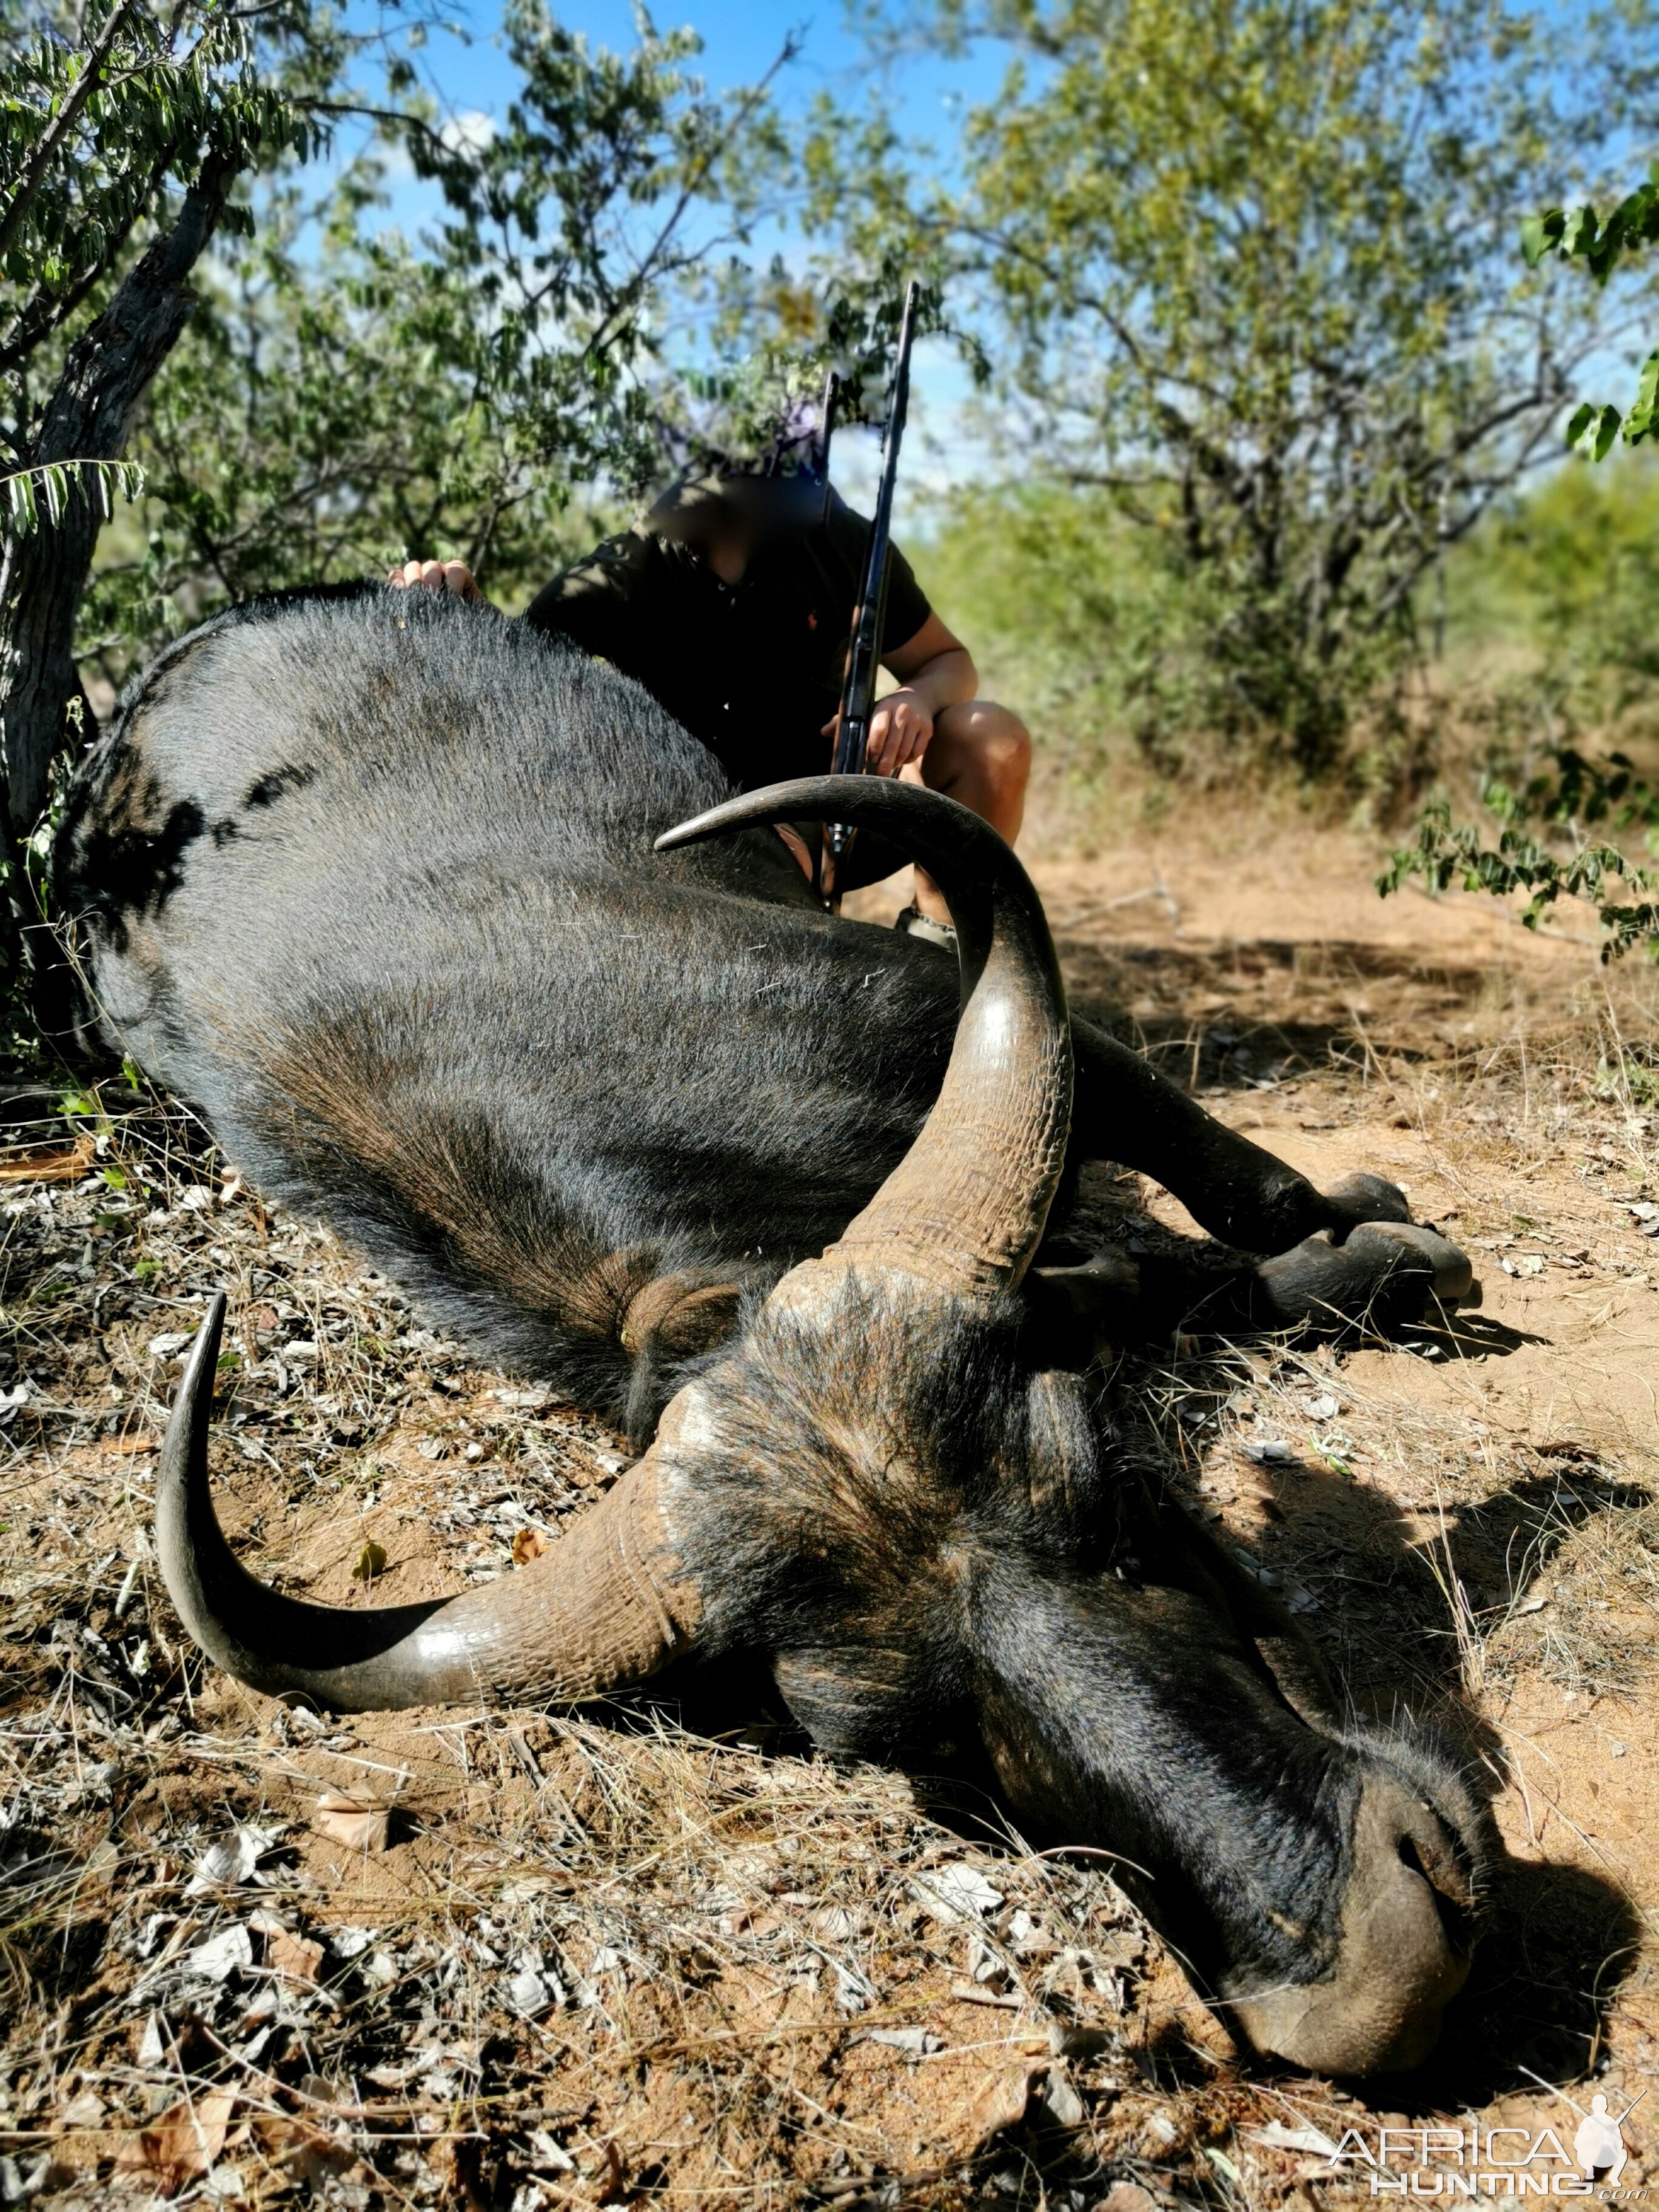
1246,266
1573,792
345,395
1601,246
308,395
125,136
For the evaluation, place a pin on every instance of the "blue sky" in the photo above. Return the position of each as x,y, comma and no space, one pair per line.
740,42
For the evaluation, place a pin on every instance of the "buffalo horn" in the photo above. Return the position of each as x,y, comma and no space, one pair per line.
600,1609
964,1210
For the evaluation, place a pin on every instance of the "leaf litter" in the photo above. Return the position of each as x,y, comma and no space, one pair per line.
256,1955
568,1961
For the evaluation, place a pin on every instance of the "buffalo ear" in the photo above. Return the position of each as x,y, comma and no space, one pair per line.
700,1320
674,1318
1062,1445
855,1701
687,1312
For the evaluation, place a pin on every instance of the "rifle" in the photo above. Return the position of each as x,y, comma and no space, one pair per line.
858,696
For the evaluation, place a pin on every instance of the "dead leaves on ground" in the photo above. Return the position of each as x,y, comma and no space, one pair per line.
58,1163
191,2137
188,2139
297,1958
359,1823
1016,2092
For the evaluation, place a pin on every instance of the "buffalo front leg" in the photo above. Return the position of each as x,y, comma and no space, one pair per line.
1126,1110
1382,1275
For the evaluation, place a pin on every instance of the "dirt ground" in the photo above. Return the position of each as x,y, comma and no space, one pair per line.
481,1958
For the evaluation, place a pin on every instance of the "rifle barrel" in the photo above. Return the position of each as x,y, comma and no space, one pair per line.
858,697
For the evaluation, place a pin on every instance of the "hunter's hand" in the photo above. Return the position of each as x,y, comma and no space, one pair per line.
900,730
439,576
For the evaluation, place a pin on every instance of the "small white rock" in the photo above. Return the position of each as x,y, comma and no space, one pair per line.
917,2040
529,1993
1064,2104
220,1957
957,1892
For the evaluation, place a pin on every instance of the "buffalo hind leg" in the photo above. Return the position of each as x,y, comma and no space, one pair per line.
1126,1110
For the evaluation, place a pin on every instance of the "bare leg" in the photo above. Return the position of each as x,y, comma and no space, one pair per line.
981,754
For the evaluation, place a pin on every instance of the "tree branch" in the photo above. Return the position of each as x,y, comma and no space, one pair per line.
58,131
43,576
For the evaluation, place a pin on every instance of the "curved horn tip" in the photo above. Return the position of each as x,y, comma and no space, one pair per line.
201,1366
204,1351
902,811
184,1447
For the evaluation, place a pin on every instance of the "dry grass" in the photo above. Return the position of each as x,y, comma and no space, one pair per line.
667,1954
600,1957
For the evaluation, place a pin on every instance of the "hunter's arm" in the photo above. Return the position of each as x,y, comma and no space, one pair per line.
935,665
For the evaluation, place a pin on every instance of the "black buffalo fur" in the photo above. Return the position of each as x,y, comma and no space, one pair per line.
368,877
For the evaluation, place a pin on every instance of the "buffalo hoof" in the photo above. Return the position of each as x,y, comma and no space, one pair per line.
1359,1199
1383,1271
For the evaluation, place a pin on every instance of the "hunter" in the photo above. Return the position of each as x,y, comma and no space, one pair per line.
732,601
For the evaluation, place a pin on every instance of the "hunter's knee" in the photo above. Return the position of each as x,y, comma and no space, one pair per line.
1009,749
997,741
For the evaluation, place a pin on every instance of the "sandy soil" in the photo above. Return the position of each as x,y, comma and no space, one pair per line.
525,1960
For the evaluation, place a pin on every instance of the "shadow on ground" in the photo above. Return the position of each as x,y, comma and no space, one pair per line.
1214,1014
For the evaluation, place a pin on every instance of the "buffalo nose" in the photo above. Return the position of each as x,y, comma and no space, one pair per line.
1406,1932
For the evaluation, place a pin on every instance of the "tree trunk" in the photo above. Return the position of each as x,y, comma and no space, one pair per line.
43,576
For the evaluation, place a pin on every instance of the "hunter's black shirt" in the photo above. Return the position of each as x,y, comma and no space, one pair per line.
753,669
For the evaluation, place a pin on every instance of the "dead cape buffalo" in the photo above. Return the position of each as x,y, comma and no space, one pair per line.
371,879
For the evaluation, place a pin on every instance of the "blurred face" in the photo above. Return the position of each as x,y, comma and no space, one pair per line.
726,520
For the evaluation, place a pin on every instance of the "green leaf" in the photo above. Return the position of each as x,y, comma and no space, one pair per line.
1607,429
57,480
1538,233
1579,421
1579,231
